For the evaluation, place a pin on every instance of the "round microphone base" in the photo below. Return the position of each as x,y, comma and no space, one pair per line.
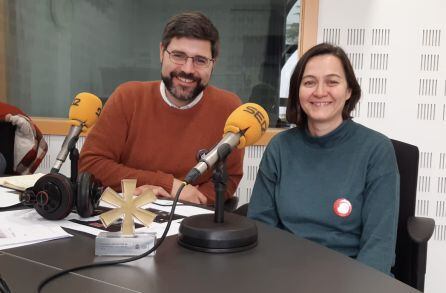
202,233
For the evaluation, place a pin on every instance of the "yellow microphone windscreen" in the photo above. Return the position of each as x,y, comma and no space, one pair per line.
250,119
85,109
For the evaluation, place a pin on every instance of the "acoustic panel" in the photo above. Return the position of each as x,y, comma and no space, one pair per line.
422,208
425,160
440,209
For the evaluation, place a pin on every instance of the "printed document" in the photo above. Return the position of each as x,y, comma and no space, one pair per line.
24,227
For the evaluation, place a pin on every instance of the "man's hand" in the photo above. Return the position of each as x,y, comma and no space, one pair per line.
157,190
189,193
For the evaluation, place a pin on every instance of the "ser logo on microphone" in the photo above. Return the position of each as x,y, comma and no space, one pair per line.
258,115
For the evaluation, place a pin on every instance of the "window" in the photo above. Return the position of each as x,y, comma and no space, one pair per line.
52,50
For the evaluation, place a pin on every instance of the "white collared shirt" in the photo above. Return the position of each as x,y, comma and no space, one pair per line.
168,102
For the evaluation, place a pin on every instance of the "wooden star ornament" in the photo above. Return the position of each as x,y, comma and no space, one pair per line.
128,207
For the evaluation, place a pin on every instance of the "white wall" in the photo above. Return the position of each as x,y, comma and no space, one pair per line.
398,49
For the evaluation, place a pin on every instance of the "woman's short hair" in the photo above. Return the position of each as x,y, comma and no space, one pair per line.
192,25
294,112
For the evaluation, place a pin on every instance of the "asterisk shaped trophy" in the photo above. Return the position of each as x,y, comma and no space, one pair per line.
128,207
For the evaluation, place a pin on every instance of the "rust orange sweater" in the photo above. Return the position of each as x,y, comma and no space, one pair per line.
139,136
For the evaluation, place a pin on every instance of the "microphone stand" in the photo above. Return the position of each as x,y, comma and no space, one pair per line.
219,178
214,234
74,158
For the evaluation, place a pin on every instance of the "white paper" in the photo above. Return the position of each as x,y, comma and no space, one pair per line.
159,228
8,197
24,227
182,209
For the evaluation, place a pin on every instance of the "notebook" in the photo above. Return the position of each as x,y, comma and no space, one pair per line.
20,182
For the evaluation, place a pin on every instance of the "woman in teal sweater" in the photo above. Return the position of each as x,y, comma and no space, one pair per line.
330,180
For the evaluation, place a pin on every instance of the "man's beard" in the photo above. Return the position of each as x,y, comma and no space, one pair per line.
179,92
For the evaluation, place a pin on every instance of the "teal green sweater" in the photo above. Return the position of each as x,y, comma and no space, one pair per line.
300,178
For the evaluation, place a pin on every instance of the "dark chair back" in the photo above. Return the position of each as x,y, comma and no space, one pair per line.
407,158
411,254
7,135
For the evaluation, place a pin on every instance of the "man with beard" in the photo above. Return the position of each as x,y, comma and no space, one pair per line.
152,131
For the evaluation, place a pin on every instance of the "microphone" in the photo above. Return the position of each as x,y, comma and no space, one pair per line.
235,233
84,112
243,128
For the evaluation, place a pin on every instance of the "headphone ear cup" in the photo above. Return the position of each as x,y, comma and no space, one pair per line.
54,196
88,194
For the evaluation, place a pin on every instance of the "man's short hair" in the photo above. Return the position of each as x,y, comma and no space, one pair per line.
192,25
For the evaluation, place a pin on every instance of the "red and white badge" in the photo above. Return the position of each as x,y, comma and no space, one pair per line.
342,207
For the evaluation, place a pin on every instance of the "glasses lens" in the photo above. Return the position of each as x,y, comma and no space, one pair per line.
200,61
178,58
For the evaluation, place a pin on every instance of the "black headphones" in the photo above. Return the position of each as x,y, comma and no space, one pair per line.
54,196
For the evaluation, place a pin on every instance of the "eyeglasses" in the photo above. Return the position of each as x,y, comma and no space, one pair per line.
180,58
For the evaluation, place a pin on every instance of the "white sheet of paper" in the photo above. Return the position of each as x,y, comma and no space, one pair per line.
8,197
182,209
24,227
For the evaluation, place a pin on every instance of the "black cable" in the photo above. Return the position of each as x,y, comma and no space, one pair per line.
3,286
114,262
13,207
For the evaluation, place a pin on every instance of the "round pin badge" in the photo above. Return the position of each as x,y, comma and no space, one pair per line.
342,207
